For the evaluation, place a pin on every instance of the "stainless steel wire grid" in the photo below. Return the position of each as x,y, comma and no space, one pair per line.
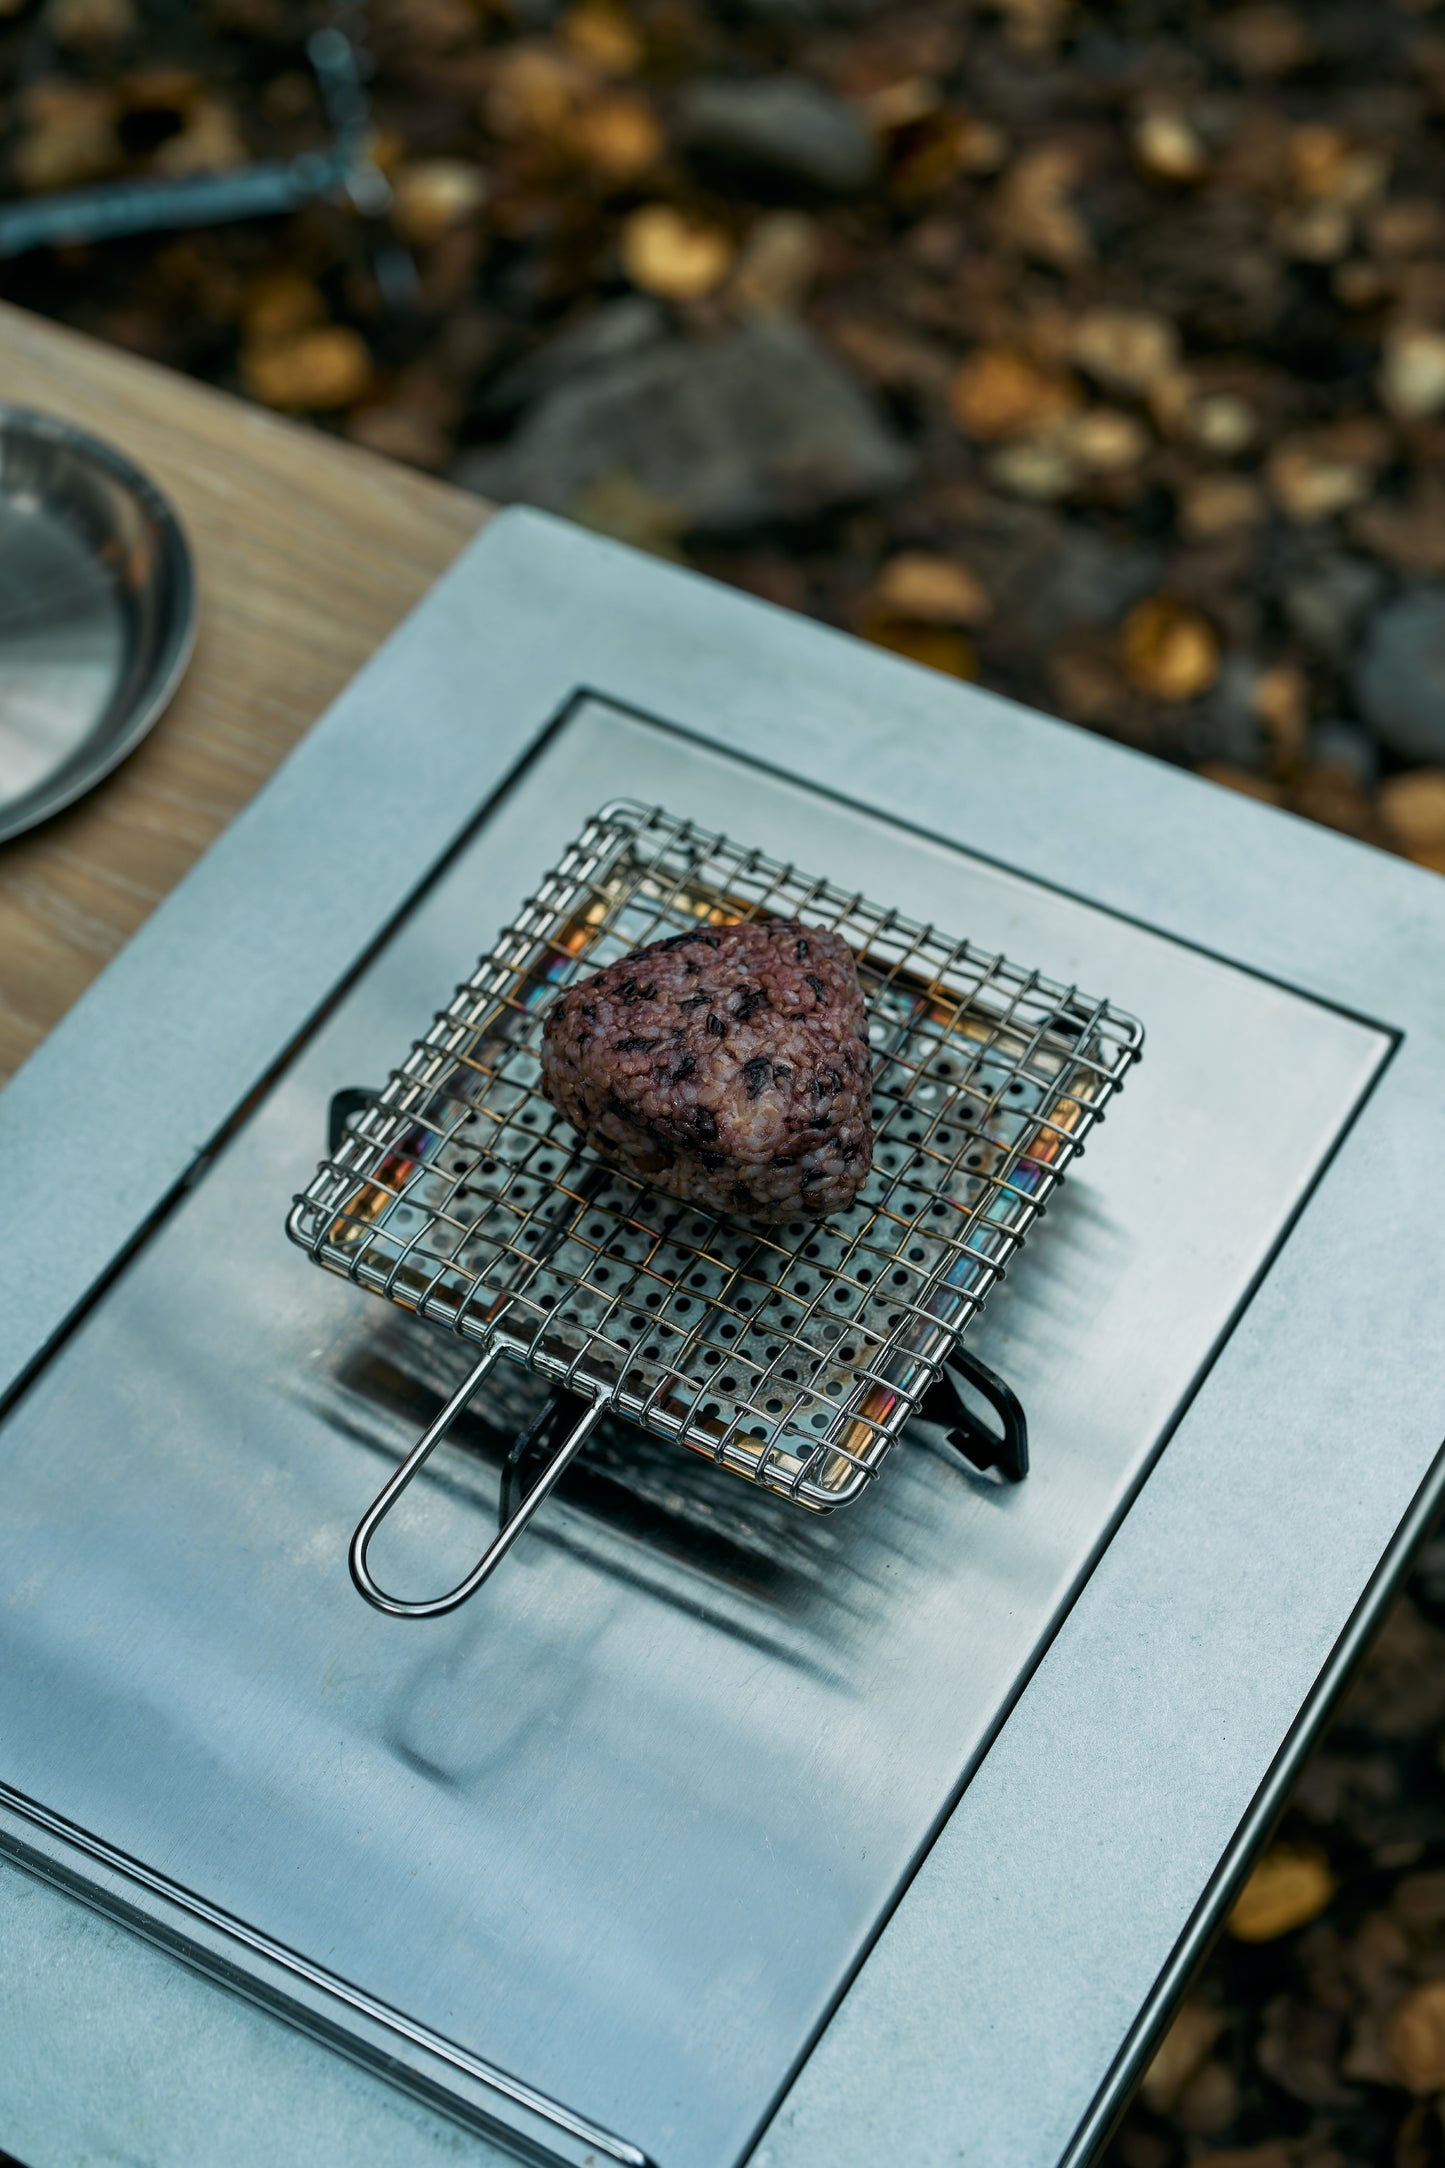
791,1355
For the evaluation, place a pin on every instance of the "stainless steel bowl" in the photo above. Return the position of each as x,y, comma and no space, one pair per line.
97,612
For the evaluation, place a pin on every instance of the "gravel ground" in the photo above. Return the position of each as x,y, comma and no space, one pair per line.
1096,352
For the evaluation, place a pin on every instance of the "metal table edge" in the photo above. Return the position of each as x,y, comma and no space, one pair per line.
1207,1921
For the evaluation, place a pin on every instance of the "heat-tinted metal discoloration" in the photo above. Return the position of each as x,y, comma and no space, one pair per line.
749,1095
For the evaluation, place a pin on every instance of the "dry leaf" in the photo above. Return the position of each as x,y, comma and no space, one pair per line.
68,136
1040,468
932,590
210,142
1033,26
1412,807
616,504
999,393
1168,649
532,91
1412,372
1084,679
1408,226
1411,535
618,136
1328,165
431,26
89,22
160,90
604,37
1288,1888
898,360
1415,2041
1274,2153
939,146
1180,2053
400,430
1125,350
1035,212
1358,284
279,304
1266,40
1106,441
435,194
1318,233
313,372
777,263
939,646
1210,2101
1248,785
1168,149
675,257
1220,422
1282,703
901,104
1220,504
1311,484
1419,1903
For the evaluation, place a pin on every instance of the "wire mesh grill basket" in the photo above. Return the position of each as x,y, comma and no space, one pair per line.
791,1355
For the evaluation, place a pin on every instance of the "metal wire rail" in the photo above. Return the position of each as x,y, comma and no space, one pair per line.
790,1355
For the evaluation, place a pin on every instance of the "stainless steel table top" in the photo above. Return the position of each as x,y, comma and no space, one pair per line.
625,1828
97,612
1231,1518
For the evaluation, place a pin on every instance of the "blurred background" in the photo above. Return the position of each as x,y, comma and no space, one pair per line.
1092,352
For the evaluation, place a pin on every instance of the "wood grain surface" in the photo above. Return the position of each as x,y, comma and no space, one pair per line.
307,550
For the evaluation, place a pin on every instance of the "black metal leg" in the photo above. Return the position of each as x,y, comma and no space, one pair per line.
534,1443
1007,1448
344,1104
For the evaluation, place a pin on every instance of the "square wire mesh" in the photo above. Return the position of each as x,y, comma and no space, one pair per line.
792,1355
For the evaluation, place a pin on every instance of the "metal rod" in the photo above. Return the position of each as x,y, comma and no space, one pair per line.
491,1558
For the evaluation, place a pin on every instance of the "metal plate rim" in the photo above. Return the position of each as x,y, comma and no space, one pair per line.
78,774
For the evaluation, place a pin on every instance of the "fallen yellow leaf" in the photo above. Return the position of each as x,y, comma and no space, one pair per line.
1179,2054
939,646
932,590
1127,350
673,256
1246,782
619,136
1413,806
434,194
1168,649
312,372
1288,1888
278,304
1415,2042
603,37
1168,149
999,393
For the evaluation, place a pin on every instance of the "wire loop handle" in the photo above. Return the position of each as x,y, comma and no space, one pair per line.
496,1551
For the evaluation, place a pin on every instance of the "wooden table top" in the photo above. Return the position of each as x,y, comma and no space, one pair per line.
307,552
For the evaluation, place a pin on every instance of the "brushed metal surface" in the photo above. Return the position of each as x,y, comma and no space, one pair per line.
97,612
626,1826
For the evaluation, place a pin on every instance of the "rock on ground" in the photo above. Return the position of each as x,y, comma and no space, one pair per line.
612,333
1324,605
1400,675
721,435
780,127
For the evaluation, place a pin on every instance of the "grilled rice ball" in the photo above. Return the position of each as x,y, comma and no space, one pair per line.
728,1066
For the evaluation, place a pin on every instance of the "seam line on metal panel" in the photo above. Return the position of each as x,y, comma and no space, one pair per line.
160,1886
